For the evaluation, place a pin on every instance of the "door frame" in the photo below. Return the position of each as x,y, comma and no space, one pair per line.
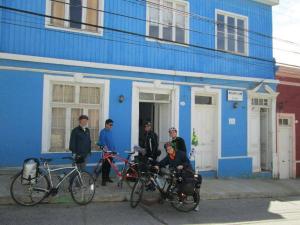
208,91
153,87
272,95
293,127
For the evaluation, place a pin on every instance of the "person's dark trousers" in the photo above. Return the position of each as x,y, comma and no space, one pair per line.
106,170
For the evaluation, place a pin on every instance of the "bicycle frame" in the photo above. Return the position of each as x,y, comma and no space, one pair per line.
49,171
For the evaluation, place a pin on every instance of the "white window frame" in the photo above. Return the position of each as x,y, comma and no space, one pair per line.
67,16
236,17
47,99
160,22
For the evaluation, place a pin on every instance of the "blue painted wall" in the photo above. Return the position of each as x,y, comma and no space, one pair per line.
27,35
235,167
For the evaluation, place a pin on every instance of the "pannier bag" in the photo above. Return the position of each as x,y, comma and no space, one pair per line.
30,171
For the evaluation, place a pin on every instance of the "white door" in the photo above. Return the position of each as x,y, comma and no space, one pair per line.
205,126
264,145
285,143
254,136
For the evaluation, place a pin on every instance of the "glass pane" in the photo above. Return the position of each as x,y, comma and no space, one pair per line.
241,36
153,31
89,95
69,93
94,125
58,124
261,102
231,34
220,23
75,13
162,97
146,96
167,21
58,93
180,24
221,41
154,19
75,113
92,14
58,10
203,100
180,35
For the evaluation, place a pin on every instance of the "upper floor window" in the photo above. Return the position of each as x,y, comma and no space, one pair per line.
168,20
78,11
231,33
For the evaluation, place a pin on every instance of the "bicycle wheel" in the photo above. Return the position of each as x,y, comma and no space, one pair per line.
29,193
130,176
186,202
137,193
82,188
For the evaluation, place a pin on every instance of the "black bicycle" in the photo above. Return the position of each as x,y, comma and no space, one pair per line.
183,194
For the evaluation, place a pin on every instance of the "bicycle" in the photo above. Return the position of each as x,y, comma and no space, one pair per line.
81,185
128,173
183,201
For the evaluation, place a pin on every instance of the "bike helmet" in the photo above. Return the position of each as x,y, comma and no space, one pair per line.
172,129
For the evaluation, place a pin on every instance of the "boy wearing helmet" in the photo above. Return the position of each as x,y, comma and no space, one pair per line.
177,141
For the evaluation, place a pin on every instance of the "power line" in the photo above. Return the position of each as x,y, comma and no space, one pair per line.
127,32
207,19
192,30
132,33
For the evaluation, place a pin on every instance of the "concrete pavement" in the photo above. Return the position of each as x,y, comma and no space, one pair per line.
211,189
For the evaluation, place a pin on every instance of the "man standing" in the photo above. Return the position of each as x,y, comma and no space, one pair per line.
80,142
106,140
178,141
149,142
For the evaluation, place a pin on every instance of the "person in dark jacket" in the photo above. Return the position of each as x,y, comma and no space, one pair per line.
106,140
149,141
178,141
80,142
175,159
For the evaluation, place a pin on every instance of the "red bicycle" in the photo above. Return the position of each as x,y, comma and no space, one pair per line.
129,171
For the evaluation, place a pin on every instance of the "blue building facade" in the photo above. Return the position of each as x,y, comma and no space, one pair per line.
205,67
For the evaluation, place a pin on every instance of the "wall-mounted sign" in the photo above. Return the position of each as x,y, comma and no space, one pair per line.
231,121
234,95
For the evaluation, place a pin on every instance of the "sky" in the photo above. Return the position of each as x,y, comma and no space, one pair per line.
286,26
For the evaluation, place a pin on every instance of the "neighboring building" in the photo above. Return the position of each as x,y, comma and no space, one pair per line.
288,127
216,78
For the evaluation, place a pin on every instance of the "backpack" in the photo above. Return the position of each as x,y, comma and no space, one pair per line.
30,171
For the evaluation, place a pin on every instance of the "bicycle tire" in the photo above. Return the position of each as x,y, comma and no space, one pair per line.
80,183
140,191
178,206
42,186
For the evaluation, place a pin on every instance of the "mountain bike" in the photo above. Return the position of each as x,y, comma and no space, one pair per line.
182,199
129,172
81,184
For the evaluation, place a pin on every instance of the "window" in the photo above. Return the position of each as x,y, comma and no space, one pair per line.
68,103
153,97
231,34
168,20
284,122
78,11
203,100
260,102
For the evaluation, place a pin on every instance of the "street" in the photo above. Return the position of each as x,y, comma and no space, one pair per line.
240,211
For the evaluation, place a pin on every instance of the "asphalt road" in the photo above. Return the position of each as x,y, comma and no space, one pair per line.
241,211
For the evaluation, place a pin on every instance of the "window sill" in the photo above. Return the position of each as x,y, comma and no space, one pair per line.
234,53
72,30
186,45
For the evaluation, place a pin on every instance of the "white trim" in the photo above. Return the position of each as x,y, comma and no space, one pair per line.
293,160
118,77
273,97
235,16
160,22
67,28
46,118
151,87
268,2
27,58
235,157
290,83
218,93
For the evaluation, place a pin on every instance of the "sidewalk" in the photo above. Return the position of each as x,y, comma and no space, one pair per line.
211,189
